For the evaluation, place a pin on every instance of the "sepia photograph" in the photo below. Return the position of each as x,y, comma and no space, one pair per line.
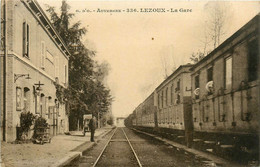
129,83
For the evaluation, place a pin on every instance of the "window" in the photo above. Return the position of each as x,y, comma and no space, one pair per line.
228,72
26,99
18,99
41,104
42,54
252,60
25,39
57,106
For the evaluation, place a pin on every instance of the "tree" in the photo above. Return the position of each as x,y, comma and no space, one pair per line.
218,13
196,57
164,66
85,94
214,28
168,60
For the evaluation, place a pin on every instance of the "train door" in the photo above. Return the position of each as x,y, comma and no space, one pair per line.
53,121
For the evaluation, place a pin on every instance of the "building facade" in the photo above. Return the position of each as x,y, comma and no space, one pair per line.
33,59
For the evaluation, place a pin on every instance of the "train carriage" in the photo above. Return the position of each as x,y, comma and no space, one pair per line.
172,99
225,91
214,104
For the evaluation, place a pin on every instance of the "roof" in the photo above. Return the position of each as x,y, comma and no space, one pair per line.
39,14
174,73
166,80
227,41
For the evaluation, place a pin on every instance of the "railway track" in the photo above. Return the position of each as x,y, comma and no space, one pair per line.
124,147
111,140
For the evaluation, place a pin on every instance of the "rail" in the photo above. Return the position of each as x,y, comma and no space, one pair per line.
139,163
109,140
104,149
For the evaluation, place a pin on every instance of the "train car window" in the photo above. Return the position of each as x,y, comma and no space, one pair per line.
228,72
172,92
252,60
210,77
178,84
166,96
162,99
197,84
158,100
197,81
210,74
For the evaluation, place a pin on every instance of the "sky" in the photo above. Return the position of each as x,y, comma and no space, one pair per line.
139,45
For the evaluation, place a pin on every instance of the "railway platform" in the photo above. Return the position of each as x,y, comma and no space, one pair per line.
61,150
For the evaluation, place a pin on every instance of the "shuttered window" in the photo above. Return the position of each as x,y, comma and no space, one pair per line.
26,39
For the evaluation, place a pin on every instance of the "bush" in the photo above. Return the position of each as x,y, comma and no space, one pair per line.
26,121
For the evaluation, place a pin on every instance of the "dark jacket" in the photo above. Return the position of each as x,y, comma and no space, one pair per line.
92,124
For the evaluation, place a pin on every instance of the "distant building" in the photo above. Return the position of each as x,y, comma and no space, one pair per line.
36,59
120,121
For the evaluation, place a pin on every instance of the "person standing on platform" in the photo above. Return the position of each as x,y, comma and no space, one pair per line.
92,126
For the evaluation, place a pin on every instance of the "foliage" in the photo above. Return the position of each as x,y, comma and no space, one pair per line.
217,21
26,121
196,57
60,93
215,27
110,120
40,122
86,92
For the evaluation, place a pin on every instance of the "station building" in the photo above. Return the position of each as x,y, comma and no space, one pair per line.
33,59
